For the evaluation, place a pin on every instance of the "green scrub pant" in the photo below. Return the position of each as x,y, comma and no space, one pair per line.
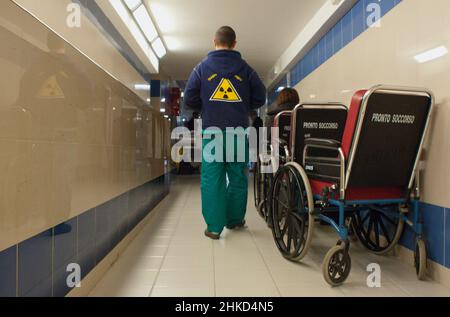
224,183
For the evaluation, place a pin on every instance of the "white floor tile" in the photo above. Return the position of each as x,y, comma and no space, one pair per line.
185,279
171,257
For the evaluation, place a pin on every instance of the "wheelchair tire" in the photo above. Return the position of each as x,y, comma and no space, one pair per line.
336,266
292,205
420,259
266,185
376,231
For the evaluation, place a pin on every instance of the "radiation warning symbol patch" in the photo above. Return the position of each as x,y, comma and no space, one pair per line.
50,89
226,92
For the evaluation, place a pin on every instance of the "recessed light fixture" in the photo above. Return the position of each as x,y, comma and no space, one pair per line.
432,54
159,48
145,22
133,4
135,31
142,87
162,110
163,100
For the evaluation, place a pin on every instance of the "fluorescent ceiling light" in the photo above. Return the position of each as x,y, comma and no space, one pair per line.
162,110
145,22
128,20
158,47
163,100
432,54
166,116
132,4
142,87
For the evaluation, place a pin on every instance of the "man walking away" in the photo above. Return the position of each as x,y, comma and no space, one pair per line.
225,89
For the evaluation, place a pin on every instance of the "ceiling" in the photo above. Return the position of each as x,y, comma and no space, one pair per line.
264,29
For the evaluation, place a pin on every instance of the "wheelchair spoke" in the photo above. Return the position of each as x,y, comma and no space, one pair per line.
282,203
388,219
385,232
289,238
377,232
285,229
369,229
364,219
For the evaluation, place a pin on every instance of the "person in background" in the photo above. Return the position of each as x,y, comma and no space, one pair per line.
256,120
225,89
257,123
191,123
286,101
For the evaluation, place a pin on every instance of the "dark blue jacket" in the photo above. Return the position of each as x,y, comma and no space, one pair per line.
224,88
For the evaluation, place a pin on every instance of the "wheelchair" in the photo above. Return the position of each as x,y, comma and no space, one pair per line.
263,181
363,177
311,120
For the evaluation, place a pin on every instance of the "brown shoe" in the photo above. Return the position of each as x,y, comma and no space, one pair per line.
237,226
211,235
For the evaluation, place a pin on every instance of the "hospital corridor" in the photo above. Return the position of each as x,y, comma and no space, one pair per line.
225,156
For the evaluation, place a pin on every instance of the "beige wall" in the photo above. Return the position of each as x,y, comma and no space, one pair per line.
71,136
88,39
385,55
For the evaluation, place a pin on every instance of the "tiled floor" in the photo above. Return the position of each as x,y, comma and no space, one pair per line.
171,257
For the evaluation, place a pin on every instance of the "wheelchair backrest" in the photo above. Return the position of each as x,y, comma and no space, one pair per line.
323,121
282,121
384,135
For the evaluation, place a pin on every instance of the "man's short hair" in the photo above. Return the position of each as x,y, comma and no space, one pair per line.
226,36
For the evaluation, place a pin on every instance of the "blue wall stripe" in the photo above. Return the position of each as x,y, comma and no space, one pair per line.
436,232
99,19
8,287
86,239
348,28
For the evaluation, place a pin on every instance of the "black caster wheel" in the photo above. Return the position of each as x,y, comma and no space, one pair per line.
420,259
336,265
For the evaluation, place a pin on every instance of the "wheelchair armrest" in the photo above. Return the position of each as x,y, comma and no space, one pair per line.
315,161
327,143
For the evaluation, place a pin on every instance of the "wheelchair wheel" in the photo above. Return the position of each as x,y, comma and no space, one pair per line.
292,204
378,229
336,265
420,259
265,200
